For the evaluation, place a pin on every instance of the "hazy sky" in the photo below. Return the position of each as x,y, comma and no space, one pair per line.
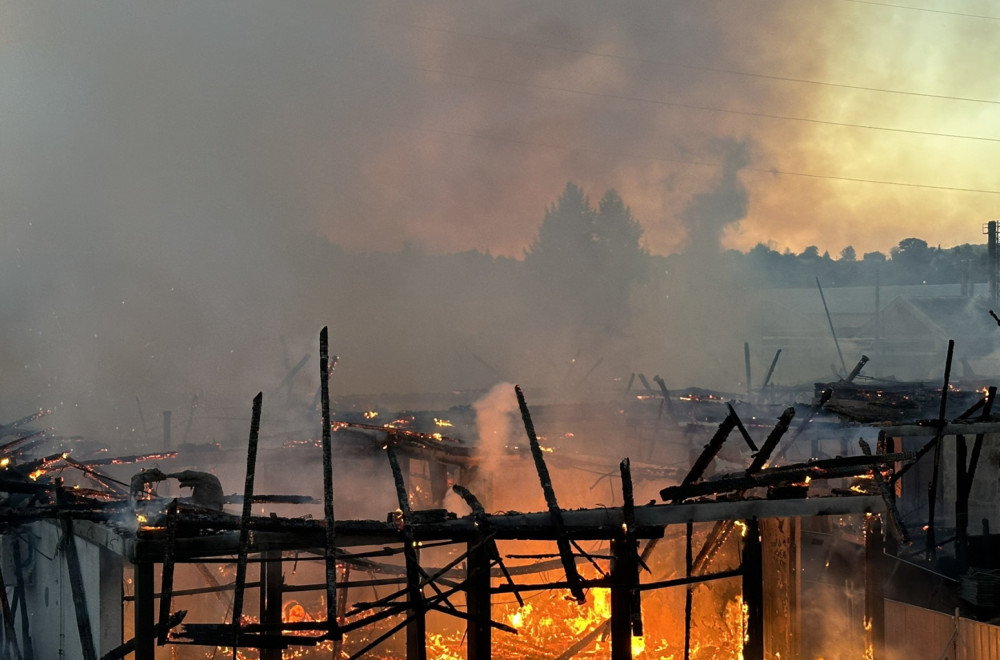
450,125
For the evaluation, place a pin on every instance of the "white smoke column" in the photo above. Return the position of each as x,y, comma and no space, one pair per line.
495,412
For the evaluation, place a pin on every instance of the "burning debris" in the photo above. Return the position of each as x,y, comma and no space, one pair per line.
717,553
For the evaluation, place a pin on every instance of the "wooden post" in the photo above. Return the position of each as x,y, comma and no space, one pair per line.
416,615
689,590
270,597
875,571
478,601
932,488
167,441
241,561
753,592
79,596
145,629
565,553
621,600
167,574
328,517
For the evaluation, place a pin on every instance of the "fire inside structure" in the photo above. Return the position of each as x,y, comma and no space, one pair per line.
784,531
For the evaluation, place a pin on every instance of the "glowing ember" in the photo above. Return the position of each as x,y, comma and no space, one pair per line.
442,422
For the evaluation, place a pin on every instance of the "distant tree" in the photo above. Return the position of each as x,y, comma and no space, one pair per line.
588,259
811,252
875,257
848,254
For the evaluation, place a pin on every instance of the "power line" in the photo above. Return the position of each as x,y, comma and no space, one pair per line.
695,67
701,108
925,9
681,161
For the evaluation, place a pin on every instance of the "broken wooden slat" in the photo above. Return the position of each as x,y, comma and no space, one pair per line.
711,449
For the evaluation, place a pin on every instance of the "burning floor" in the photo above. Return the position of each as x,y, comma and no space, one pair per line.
730,536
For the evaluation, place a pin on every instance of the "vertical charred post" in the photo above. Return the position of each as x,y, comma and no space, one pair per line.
167,574
331,534
932,488
753,591
689,589
144,611
626,608
270,597
416,620
565,553
478,600
875,571
241,563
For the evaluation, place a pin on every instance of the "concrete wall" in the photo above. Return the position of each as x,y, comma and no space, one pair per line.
51,627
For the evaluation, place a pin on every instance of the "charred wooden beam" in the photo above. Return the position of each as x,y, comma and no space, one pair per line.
931,549
857,369
245,519
742,429
688,593
753,591
711,449
667,406
895,520
833,332
328,511
167,574
83,626
824,398
771,442
10,634
770,370
569,565
875,572
416,623
746,360
789,474
131,646
483,523
631,549
271,594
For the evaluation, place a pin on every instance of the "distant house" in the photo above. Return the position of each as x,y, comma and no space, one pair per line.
904,330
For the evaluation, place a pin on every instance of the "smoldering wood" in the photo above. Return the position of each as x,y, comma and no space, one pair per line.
786,475
824,398
896,526
550,498
773,438
711,449
857,369
128,647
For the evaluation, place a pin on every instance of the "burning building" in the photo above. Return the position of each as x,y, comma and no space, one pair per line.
765,540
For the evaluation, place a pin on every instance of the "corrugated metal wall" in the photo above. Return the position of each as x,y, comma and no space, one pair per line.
913,633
